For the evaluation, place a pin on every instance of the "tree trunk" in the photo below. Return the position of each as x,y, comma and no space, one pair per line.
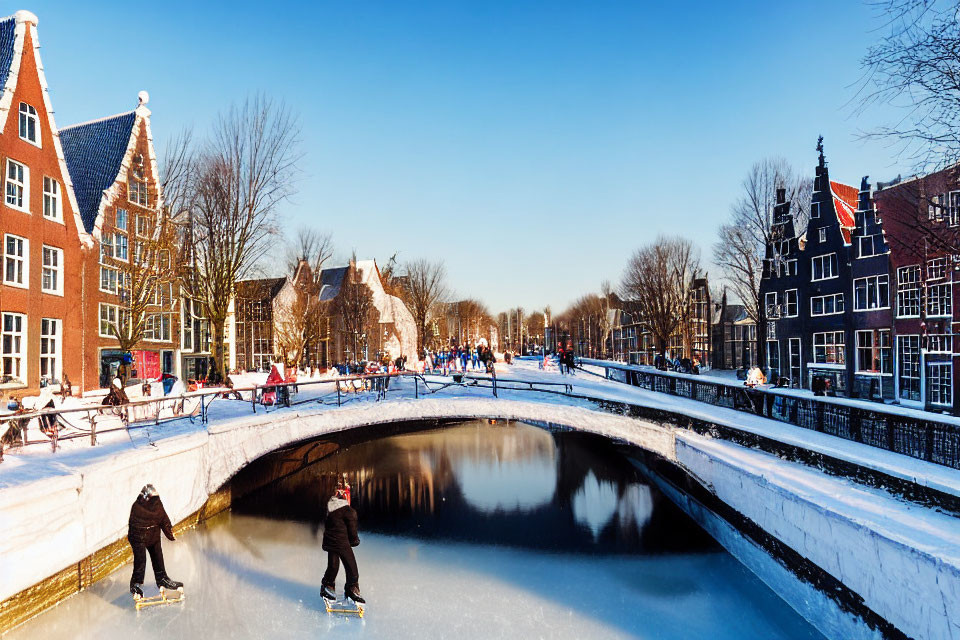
218,368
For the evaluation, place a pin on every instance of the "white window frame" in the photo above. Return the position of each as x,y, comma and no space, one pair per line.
932,386
829,258
936,268
28,115
822,234
51,359
771,303
112,310
115,279
839,353
54,270
125,215
138,177
836,297
908,288
22,183
787,303
872,305
944,308
953,208
52,199
13,347
117,236
23,259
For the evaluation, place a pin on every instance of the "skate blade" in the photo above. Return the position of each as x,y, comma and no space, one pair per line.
165,597
334,606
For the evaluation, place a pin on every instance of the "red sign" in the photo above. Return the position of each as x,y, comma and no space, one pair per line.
147,364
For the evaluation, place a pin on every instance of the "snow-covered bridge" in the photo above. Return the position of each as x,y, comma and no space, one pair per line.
842,553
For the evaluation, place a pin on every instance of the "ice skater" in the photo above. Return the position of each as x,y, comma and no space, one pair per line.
147,519
339,538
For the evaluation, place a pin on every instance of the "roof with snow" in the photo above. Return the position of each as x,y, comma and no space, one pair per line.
8,30
845,202
94,152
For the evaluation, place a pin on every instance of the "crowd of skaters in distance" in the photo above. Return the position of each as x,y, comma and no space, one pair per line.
460,358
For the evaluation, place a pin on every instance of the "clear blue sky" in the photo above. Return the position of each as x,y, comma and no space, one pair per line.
531,145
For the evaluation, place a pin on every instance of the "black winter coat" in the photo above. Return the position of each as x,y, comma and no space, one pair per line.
340,527
147,519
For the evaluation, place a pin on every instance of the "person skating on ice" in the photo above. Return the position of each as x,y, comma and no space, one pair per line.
339,538
147,519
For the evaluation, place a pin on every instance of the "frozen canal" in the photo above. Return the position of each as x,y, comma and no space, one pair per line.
474,531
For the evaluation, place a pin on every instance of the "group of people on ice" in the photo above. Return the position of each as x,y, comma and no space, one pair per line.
460,358
148,519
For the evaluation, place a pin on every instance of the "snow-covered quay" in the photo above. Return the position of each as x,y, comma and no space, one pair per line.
856,561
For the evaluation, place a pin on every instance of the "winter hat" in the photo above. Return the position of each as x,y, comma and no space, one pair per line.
148,491
119,385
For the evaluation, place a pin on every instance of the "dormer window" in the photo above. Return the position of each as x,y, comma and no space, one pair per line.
29,124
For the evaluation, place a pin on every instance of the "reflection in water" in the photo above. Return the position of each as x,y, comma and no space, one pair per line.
506,483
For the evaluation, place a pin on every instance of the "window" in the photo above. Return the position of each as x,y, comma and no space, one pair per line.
121,222
773,357
143,225
137,188
939,301
940,383
157,327
770,304
106,246
953,208
791,267
29,124
826,305
791,303
52,276
936,268
13,346
108,320
871,245
908,291
120,246
16,189
940,343
872,292
828,347
935,208
814,210
51,199
908,367
15,271
123,286
824,267
823,234
108,279
865,353
874,351
50,346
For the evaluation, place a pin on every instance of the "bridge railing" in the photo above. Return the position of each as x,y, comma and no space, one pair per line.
50,426
931,439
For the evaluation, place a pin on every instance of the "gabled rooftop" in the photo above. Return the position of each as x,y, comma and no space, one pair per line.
845,201
94,152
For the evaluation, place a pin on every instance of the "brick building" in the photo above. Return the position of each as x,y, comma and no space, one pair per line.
41,313
130,284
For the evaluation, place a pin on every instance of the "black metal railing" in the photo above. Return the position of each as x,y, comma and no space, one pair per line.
927,439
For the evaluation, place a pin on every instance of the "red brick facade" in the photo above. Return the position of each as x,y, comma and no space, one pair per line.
31,303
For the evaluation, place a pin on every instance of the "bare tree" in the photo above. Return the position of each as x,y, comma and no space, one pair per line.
316,247
915,67
425,286
658,280
242,173
742,241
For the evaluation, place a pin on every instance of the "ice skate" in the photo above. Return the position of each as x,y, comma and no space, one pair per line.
328,593
136,590
166,583
353,593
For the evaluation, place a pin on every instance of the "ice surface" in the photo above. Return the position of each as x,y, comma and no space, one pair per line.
250,577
